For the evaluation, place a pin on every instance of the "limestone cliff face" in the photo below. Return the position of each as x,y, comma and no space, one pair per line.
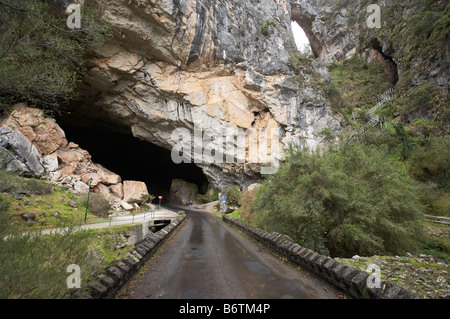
412,38
210,64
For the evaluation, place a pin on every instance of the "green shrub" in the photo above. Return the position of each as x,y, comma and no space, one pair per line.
233,196
35,266
98,205
248,213
342,202
4,214
267,26
41,60
431,162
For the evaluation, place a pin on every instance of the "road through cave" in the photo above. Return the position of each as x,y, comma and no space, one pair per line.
116,149
207,259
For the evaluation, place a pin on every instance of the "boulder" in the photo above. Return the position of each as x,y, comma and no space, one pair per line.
29,216
135,192
102,189
126,206
183,192
117,190
18,154
95,179
80,187
51,163
107,177
71,156
42,131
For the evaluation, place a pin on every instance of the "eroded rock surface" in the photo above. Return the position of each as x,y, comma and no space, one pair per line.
216,66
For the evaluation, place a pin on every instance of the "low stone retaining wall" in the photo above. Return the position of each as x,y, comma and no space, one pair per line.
119,272
349,280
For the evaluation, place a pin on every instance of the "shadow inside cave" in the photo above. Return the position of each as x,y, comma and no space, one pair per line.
116,149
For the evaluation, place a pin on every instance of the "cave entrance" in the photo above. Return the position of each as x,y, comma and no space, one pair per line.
390,66
116,149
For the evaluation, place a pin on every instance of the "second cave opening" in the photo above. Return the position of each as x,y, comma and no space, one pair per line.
132,159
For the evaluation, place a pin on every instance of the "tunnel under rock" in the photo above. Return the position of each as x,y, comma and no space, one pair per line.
116,149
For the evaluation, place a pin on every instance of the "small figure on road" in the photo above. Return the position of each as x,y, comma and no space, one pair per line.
190,205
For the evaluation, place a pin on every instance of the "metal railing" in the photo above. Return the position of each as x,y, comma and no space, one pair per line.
98,222
374,120
437,219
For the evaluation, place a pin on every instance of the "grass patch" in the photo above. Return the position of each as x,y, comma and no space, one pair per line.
52,206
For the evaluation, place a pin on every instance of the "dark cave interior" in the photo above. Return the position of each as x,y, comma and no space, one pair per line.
117,150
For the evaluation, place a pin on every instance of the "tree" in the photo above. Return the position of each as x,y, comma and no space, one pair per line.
41,59
342,202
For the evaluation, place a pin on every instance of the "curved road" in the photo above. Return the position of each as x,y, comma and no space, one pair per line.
206,258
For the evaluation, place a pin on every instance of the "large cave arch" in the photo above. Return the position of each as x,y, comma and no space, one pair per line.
115,148
305,20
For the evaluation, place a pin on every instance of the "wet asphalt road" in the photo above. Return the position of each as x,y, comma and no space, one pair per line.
207,259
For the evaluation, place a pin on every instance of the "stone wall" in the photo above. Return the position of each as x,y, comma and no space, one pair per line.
349,280
118,273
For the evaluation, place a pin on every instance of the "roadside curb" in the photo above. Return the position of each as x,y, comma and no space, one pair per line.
351,281
119,272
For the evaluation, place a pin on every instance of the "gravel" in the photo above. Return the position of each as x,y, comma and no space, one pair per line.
423,274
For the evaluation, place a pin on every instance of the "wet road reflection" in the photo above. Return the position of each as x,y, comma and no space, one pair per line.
208,259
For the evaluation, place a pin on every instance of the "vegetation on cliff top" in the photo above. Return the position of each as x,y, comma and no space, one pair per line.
41,59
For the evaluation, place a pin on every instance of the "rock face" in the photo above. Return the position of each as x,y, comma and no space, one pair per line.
220,69
17,154
135,192
182,192
338,31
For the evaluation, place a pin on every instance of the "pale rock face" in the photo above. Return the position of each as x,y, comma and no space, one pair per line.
51,162
206,65
18,154
43,132
135,192
117,190
64,163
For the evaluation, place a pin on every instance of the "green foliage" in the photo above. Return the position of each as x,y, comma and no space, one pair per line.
12,183
267,26
41,59
207,198
327,134
35,266
342,202
428,29
431,162
247,211
406,146
300,61
233,196
355,84
4,214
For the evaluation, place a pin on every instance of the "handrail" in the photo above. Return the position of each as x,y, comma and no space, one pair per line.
374,120
437,219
